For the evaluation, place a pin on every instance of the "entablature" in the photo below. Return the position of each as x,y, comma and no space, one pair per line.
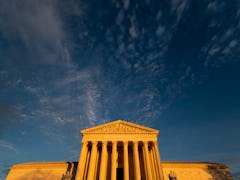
120,137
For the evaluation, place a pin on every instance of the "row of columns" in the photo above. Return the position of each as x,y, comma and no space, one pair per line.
91,169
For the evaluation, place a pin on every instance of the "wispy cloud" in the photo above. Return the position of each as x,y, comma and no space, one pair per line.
213,51
36,25
233,43
7,146
68,99
91,104
120,17
179,6
223,45
133,31
160,30
126,4
215,6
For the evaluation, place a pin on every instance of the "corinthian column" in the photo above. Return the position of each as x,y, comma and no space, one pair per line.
156,151
114,161
147,161
93,158
126,167
136,161
103,167
82,161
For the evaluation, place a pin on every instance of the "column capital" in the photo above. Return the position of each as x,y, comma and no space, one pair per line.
135,142
146,142
114,142
94,142
85,142
125,142
104,143
155,143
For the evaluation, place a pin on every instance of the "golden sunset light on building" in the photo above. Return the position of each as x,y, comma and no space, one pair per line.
119,150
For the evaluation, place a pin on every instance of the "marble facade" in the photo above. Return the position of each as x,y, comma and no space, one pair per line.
115,151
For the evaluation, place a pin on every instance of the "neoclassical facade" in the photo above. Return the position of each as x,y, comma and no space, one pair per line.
119,150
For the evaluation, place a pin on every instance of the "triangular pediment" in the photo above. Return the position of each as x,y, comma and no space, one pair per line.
119,126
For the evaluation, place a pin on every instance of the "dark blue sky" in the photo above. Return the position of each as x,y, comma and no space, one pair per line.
172,65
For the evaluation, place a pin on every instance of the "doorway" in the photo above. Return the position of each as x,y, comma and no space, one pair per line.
119,173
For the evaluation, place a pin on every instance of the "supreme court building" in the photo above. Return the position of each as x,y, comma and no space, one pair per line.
119,150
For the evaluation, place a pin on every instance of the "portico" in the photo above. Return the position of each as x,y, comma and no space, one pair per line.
119,150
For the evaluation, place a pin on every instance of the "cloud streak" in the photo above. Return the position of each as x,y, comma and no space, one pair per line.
7,146
37,27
